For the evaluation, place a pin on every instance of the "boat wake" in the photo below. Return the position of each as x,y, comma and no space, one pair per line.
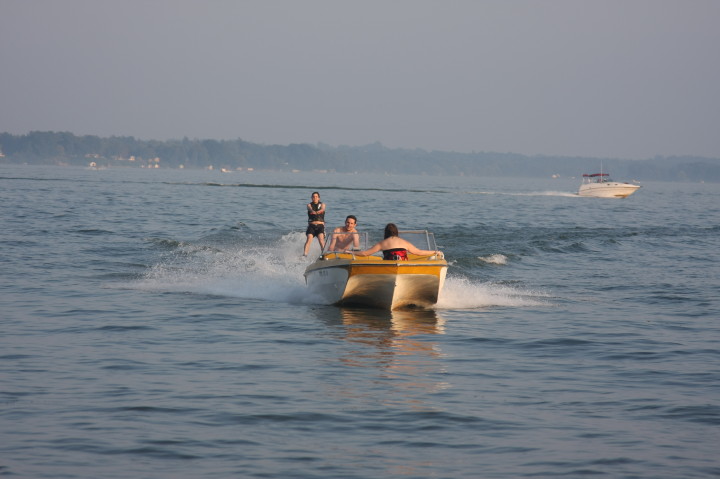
548,193
529,193
462,293
273,271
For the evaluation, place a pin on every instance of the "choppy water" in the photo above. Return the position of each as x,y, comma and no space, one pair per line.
156,324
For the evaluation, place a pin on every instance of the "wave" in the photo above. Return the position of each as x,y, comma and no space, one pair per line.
272,271
565,194
498,259
530,193
463,293
180,247
307,187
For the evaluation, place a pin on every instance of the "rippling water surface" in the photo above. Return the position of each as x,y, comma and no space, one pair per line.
156,324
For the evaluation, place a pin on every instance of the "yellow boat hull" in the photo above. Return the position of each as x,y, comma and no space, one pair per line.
373,282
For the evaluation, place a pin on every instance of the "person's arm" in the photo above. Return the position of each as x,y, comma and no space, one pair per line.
356,240
370,251
423,252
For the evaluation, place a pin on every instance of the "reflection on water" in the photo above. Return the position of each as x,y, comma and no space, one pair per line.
393,333
395,346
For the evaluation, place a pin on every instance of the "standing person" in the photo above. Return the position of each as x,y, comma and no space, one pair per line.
345,236
316,222
394,247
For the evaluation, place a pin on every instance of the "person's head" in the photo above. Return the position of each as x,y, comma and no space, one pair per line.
350,222
315,197
391,230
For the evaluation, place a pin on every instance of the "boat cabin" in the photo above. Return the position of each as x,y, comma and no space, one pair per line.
596,178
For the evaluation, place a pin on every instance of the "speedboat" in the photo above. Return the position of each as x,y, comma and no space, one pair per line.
341,277
600,185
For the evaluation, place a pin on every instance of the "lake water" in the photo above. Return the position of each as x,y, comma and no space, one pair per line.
156,324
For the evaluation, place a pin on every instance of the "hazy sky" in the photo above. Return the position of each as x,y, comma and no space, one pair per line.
607,78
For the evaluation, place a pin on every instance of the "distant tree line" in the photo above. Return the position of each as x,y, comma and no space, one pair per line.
63,148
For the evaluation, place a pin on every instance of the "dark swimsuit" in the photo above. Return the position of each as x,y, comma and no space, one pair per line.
315,230
395,254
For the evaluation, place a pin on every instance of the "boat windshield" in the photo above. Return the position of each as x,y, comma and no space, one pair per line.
340,242
422,239
597,178
358,241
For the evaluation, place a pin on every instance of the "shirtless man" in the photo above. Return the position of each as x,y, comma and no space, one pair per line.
345,236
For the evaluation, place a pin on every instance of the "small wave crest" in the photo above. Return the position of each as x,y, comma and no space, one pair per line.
494,259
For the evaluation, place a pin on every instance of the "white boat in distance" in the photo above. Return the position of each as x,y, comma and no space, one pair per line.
600,185
343,278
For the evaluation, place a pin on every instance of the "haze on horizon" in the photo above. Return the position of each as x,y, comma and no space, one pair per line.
621,79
